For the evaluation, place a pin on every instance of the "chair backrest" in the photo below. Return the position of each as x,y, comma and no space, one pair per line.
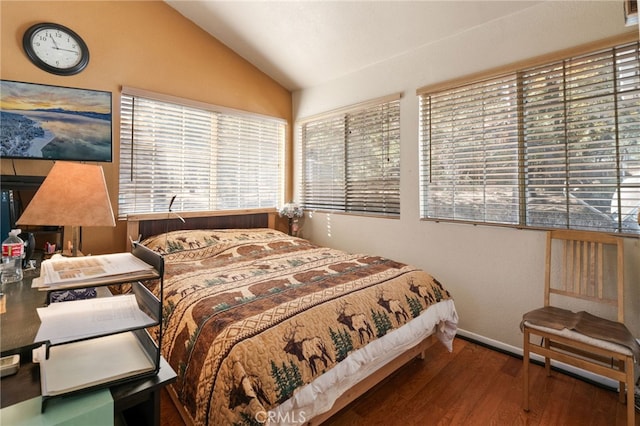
586,265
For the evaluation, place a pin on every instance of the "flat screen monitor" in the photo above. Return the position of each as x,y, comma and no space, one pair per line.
39,121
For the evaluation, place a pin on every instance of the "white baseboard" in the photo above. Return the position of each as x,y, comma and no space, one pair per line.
605,381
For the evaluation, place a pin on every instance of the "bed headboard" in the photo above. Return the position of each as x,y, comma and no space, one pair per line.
146,225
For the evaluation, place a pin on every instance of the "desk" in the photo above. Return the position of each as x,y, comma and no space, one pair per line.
138,402
93,408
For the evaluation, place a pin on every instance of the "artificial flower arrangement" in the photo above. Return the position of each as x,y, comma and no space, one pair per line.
291,210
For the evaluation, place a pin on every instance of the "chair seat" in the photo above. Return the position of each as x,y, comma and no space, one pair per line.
584,327
574,335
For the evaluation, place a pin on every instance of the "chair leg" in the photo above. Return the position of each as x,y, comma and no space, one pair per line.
630,388
547,361
525,370
622,366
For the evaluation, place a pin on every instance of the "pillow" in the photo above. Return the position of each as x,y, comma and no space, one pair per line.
179,241
183,240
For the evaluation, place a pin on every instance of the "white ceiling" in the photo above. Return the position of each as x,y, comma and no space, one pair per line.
302,44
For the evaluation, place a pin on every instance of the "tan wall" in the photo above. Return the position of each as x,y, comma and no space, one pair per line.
143,44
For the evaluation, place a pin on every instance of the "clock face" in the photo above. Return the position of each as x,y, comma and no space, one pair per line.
56,49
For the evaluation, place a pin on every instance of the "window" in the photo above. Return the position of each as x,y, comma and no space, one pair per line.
472,153
555,145
211,158
351,159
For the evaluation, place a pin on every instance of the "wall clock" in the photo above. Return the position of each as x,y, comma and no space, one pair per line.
55,48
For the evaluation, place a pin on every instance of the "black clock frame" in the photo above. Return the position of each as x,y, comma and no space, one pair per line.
28,48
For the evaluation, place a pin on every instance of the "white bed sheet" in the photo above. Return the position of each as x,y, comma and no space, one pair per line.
319,396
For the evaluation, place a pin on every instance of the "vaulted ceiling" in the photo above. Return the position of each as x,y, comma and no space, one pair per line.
303,44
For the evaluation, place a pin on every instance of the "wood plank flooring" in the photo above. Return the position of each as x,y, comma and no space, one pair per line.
473,385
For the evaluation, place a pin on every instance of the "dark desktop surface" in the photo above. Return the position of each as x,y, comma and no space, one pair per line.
19,316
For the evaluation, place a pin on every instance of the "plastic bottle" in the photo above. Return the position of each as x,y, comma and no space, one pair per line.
12,253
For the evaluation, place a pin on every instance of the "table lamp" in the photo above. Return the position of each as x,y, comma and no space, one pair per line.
73,194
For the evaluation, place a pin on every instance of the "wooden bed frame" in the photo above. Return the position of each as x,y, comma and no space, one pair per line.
369,382
145,225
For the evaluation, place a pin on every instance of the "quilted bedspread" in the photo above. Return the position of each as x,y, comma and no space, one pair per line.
252,315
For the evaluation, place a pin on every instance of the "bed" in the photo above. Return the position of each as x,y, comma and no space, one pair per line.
266,328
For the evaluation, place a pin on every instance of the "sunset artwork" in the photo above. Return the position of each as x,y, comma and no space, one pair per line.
57,123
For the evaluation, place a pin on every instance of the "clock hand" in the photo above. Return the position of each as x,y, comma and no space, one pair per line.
67,50
54,41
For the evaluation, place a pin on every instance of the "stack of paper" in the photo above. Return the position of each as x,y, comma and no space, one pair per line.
92,363
69,272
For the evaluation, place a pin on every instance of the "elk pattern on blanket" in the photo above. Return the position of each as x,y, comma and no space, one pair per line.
252,315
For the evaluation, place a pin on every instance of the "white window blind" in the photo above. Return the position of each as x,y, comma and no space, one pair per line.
470,152
211,160
552,146
351,160
581,126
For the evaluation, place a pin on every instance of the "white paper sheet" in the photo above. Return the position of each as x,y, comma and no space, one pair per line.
64,270
92,362
67,321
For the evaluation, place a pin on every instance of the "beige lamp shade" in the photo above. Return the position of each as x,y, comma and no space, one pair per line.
73,194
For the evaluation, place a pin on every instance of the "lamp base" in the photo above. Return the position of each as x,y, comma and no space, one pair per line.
75,242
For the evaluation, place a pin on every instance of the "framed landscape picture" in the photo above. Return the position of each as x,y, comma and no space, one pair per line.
39,121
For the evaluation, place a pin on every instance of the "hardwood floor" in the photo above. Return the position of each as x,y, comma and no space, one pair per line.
473,385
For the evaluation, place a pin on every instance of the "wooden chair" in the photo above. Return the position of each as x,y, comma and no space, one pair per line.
584,269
